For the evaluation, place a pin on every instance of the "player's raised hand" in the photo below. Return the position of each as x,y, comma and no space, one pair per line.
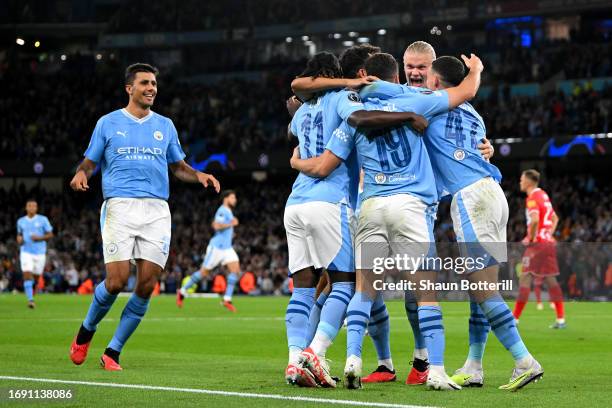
357,83
419,123
473,63
209,180
293,104
79,181
295,156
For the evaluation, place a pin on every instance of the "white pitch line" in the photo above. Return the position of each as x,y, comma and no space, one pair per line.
214,392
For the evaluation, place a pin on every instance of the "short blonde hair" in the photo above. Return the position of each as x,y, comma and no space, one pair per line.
421,47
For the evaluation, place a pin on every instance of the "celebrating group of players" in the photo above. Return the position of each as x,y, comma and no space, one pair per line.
415,144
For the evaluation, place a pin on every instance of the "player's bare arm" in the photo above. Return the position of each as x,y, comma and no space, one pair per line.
306,87
45,237
534,220
19,239
83,173
467,89
380,119
188,174
218,226
555,222
320,166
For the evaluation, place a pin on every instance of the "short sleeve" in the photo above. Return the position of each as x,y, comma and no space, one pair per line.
348,102
19,229
382,90
175,151
431,103
220,216
47,227
97,143
342,141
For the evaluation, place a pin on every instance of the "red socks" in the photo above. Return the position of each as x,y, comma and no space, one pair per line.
521,301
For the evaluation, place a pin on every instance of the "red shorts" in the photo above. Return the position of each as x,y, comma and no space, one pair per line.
540,259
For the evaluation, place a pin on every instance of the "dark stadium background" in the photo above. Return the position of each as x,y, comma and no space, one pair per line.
546,98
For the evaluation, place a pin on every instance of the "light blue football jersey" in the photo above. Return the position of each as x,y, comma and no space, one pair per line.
134,154
313,125
37,225
452,139
396,161
223,238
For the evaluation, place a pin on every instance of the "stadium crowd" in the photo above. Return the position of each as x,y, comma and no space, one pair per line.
235,115
582,202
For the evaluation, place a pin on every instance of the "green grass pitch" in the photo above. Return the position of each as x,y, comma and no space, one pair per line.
205,347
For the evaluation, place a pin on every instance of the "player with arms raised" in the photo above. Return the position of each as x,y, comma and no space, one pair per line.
540,258
134,147
33,232
219,252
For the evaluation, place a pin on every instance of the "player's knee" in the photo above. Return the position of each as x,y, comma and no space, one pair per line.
114,284
145,287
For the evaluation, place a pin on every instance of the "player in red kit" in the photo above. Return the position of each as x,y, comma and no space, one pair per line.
540,258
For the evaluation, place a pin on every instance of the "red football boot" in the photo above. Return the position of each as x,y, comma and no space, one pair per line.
416,377
109,364
179,298
380,375
78,352
229,306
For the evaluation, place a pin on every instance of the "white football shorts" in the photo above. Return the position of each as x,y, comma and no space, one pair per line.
400,224
34,263
217,256
480,216
320,234
135,228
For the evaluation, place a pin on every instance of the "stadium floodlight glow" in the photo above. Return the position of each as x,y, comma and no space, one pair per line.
337,36
348,43
305,38
63,57
438,32
20,41
382,31
449,27
98,57
362,40
353,34
37,44
288,39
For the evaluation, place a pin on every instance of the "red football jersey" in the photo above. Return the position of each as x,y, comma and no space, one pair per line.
539,203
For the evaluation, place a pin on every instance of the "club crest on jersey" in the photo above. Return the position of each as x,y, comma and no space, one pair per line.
459,154
158,135
380,178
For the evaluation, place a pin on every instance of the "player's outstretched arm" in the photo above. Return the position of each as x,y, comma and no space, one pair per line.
467,89
83,173
376,119
320,166
306,87
188,174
